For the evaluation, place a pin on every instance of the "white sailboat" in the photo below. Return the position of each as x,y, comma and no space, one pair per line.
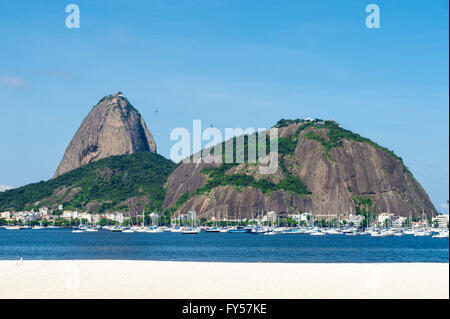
384,233
154,230
191,230
38,226
317,232
80,228
333,231
12,227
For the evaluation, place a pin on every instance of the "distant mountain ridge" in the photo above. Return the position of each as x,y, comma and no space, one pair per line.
112,127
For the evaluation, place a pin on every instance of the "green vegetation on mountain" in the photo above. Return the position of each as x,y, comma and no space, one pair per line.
364,205
335,135
108,182
217,175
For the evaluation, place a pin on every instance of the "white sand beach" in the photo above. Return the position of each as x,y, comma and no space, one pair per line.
166,279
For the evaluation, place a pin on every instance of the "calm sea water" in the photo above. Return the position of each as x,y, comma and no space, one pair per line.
231,247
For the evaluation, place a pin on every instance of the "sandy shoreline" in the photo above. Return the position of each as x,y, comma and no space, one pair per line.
167,279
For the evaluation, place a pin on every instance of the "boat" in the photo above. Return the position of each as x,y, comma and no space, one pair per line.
258,231
317,233
376,234
310,230
384,233
279,230
212,230
422,233
270,233
12,227
293,231
154,231
262,231
333,231
191,231
372,231
238,229
397,232
91,230
441,234
77,231
352,233
128,230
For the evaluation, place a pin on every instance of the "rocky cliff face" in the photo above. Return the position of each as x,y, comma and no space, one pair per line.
350,175
113,127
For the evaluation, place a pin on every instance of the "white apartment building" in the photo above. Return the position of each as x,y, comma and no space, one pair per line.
303,217
381,218
96,218
398,222
355,219
86,216
272,216
442,221
67,214
192,215
5,215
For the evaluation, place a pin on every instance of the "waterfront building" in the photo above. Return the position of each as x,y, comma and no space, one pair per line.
5,215
442,221
192,215
399,221
355,219
383,217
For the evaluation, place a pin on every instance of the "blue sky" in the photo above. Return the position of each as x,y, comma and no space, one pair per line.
230,63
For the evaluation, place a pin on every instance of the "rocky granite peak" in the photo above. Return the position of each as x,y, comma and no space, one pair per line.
112,127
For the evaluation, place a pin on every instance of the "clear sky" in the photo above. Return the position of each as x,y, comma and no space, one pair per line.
228,63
